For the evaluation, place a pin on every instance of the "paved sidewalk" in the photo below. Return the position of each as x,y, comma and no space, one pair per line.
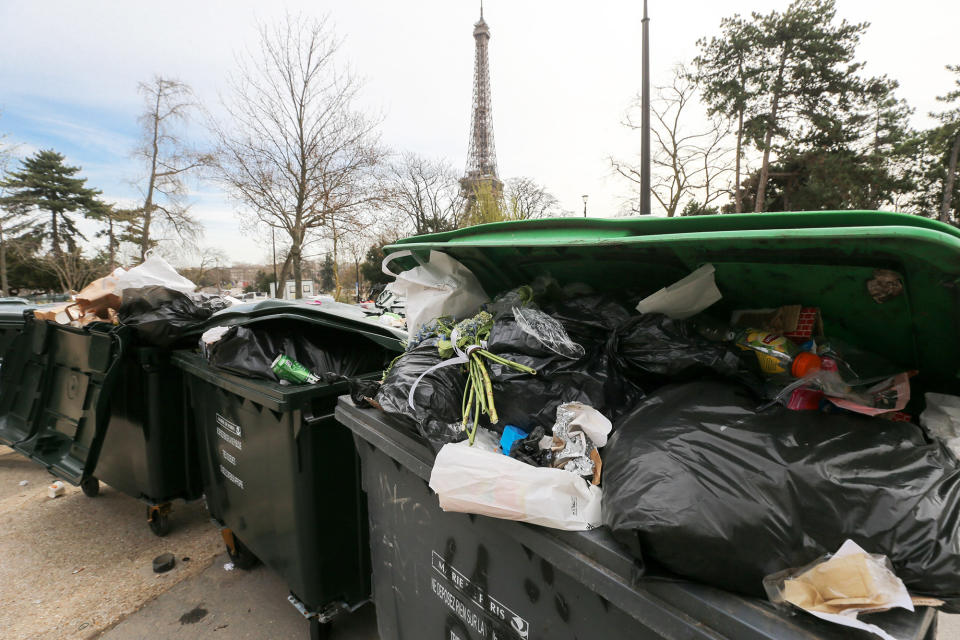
228,605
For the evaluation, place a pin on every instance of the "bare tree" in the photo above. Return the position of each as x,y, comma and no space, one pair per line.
426,193
687,163
295,150
13,223
168,160
525,199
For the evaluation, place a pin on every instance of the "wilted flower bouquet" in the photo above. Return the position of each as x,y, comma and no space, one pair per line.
466,341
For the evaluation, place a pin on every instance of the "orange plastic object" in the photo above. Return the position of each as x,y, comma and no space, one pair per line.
804,364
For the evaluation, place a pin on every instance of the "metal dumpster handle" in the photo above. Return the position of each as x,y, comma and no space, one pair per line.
309,419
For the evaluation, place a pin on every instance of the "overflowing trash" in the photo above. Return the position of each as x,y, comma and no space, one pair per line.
713,489
287,350
161,316
725,446
152,297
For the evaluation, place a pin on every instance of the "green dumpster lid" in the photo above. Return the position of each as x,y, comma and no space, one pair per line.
822,259
328,314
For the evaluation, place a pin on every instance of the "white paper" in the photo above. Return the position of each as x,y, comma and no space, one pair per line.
686,297
849,617
475,480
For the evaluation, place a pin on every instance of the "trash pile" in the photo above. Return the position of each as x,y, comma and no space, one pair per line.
151,297
725,448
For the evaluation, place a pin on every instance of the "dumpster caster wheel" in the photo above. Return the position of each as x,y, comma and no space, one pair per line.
320,630
90,487
241,557
159,522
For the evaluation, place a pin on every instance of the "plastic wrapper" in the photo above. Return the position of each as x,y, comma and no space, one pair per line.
249,350
711,489
161,316
437,409
547,331
839,587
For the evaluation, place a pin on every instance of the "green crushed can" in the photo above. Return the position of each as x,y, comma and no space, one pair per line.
289,369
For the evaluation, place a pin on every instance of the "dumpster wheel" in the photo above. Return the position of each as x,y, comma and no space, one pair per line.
90,487
241,557
158,517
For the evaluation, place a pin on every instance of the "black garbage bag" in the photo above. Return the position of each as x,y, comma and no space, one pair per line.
437,399
591,377
161,316
330,354
654,349
699,482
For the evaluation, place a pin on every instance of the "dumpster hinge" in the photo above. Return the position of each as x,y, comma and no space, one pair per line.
330,612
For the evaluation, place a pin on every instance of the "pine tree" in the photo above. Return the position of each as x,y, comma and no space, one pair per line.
44,184
327,282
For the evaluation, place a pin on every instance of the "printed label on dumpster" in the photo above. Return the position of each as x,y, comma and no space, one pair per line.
232,478
229,426
229,458
226,437
495,621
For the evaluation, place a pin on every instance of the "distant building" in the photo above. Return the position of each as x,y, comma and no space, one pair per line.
308,289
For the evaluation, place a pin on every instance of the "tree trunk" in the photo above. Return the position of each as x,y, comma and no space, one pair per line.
281,284
54,234
151,185
297,269
3,265
737,195
768,138
357,262
948,182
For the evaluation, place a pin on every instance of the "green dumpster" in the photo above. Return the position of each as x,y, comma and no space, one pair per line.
90,405
441,576
280,475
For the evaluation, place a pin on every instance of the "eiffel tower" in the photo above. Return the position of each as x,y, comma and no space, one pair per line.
481,170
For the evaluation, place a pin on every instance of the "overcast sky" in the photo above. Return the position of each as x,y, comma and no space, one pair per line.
562,75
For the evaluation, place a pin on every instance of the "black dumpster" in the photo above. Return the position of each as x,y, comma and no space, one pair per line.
91,406
11,320
452,576
280,475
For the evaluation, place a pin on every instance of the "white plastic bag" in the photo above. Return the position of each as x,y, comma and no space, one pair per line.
154,271
473,480
684,298
941,418
440,287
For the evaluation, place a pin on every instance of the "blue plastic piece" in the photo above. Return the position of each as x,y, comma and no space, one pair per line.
510,435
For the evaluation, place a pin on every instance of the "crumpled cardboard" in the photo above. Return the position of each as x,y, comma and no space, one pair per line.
840,588
100,295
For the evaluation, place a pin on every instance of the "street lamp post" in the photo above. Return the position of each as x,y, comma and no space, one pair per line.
585,196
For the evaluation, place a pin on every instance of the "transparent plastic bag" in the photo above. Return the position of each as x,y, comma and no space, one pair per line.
548,331
839,586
